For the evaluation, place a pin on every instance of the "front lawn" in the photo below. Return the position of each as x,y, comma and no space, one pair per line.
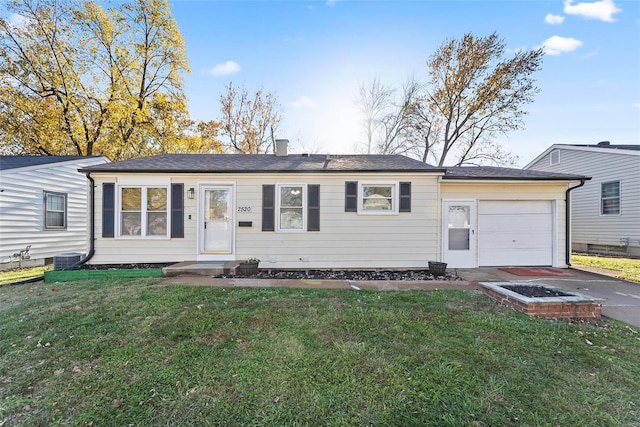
131,352
629,268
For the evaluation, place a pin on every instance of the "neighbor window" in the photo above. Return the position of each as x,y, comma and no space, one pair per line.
555,157
291,207
378,198
610,198
55,211
143,211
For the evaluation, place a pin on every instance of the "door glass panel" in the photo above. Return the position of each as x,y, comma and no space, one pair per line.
218,230
459,225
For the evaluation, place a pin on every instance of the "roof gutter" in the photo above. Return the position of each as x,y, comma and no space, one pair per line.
567,222
92,221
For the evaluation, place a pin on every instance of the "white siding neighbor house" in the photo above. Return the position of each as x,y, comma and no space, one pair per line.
605,212
325,211
43,208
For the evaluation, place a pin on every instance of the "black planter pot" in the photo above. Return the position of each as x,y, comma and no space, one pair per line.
248,269
437,268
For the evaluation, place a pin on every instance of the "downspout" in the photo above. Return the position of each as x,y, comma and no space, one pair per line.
567,222
92,222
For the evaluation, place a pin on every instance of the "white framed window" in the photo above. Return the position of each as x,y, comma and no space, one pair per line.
555,157
55,211
610,198
143,211
291,213
378,198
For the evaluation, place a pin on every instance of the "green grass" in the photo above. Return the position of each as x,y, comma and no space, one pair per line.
18,274
130,352
629,268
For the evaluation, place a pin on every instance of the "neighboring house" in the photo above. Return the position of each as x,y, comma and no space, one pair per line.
326,211
43,208
606,211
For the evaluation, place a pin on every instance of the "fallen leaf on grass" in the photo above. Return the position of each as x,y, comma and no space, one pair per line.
117,403
54,289
77,307
200,306
59,372
76,369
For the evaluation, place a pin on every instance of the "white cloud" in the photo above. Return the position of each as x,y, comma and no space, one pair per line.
636,105
331,2
303,102
553,19
17,20
602,10
225,69
556,45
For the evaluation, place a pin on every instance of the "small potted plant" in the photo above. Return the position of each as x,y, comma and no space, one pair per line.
249,267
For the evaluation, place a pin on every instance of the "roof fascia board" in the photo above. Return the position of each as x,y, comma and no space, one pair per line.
243,171
513,180
54,164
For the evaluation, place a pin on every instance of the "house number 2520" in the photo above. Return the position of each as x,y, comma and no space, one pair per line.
244,208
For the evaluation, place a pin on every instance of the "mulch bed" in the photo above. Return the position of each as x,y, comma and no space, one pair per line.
535,291
359,275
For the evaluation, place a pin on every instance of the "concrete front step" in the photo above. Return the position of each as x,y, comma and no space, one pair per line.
195,268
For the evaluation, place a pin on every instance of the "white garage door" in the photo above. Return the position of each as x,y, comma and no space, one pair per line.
515,233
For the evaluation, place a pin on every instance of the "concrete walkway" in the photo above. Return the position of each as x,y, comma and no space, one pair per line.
621,299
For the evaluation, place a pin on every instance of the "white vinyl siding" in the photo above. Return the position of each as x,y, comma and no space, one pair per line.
345,239
22,211
513,193
589,226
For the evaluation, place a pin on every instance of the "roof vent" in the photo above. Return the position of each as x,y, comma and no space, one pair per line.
604,144
282,148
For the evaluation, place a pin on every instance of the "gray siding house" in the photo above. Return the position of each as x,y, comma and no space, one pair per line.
43,208
606,210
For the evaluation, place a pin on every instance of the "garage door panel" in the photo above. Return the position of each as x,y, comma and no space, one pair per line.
498,223
515,233
506,240
515,207
520,257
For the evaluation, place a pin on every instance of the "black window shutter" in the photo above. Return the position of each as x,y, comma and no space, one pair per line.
351,196
108,209
177,210
313,207
405,197
268,207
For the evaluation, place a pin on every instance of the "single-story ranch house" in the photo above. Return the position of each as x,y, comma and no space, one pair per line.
326,211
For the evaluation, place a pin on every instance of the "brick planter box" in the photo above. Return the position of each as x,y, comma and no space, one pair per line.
573,306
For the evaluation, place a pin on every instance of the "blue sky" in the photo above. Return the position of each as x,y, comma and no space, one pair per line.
314,54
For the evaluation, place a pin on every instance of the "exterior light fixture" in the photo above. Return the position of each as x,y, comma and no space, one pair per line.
191,193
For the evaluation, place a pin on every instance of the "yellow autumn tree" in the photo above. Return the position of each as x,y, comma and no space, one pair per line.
88,77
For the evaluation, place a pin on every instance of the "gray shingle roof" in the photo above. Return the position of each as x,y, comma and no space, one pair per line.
268,163
14,162
491,172
247,163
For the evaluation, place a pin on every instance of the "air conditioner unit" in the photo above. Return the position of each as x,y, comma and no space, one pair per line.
63,261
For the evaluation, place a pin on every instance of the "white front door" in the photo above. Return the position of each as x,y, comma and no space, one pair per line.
459,234
216,225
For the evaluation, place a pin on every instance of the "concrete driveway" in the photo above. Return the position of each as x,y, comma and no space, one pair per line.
621,299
